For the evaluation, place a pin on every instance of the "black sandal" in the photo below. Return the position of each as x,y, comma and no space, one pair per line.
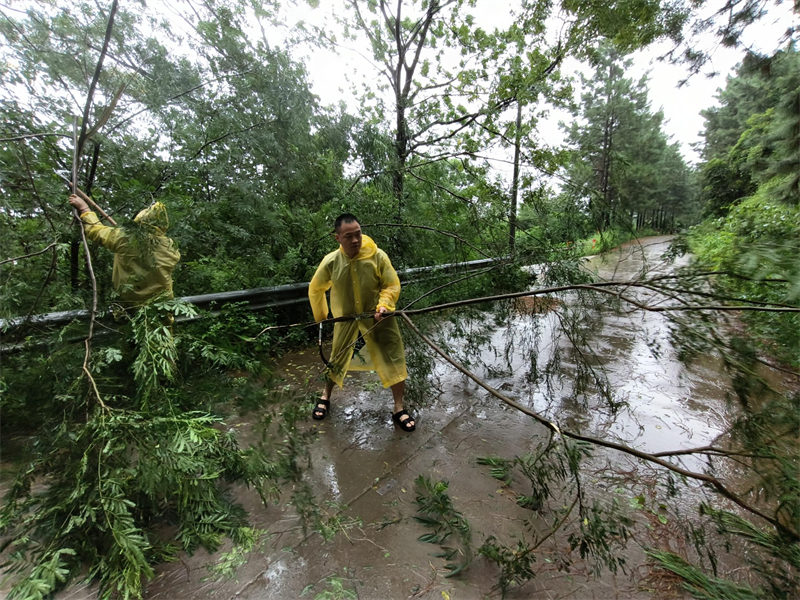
321,409
405,424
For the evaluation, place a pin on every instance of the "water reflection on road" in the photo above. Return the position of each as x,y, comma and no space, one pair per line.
665,405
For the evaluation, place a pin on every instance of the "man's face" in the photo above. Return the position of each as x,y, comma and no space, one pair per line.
349,236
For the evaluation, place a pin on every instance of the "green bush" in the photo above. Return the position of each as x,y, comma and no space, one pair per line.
759,239
126,452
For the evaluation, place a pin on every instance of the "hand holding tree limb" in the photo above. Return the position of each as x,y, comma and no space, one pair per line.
78,204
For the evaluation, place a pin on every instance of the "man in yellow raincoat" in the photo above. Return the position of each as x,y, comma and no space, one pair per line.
361,279
143,264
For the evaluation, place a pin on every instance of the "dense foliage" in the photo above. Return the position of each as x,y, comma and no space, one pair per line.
134,448
751,194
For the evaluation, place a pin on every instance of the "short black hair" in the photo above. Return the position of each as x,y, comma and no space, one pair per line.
344,218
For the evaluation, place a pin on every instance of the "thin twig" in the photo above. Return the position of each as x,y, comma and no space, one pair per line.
175,97
29,136
448,284
8,260
557,526
50,271
447,233
24,160
230,133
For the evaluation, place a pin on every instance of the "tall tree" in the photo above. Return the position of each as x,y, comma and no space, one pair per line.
621,161
449,80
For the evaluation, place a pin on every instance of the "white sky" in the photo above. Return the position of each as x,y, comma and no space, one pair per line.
328,71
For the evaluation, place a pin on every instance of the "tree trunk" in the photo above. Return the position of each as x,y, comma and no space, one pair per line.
604,175
608,134
74,261
512,212
401,148
92,168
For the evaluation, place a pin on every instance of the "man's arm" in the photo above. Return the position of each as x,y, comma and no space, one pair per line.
109,237
390,286
320,283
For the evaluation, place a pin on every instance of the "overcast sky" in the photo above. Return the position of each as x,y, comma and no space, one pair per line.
329,71
681,106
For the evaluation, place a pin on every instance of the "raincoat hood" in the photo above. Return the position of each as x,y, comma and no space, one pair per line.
368,248
155,217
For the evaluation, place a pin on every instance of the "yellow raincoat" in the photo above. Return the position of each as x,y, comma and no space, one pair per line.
142,267
362,284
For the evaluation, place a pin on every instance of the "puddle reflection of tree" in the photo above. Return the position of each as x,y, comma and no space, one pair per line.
571,380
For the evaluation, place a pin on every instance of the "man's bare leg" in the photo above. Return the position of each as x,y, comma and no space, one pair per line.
398,392
326,394
320,410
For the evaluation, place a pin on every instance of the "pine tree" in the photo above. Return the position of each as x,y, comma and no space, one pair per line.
621,160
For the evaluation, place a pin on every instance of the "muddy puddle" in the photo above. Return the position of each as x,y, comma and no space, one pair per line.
362,462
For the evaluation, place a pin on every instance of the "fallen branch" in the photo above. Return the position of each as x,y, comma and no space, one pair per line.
733,274
713,481
721,297
78,143
710,450
715,307
93,315
597,287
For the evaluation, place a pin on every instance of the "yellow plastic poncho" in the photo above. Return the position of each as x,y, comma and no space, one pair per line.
362,284
142,267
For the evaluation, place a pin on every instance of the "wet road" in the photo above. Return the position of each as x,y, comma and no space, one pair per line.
362,461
